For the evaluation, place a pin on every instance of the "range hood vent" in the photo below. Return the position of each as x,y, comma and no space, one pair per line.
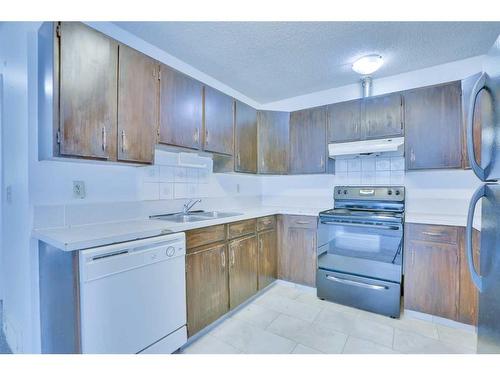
373,146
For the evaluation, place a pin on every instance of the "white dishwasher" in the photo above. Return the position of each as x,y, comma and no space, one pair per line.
133,296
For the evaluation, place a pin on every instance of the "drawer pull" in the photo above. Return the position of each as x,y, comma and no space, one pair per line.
435,234
303,222
356,283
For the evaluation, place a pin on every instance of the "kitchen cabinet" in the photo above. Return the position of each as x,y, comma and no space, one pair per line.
88,69
344,121
243,268
245,138
433,127
382,116
218,121
267,258
138,87
207,286
297,249
273,141
181,109
308,141
437,279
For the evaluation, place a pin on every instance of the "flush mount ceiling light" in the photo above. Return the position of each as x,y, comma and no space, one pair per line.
367,64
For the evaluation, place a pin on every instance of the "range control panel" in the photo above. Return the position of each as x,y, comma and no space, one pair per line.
378,193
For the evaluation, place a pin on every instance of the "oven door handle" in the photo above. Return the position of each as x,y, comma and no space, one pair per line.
356,283
361,225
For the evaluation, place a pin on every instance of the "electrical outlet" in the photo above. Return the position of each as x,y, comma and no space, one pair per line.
79,189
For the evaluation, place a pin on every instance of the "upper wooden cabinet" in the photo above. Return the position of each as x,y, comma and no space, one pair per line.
181,109
367,118
382,116
138,85
218,122
433,127
273,141
308,141
245,146
88,69
344,121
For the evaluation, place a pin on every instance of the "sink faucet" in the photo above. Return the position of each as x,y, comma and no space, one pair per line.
189,205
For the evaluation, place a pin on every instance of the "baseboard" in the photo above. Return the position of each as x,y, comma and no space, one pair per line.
440,320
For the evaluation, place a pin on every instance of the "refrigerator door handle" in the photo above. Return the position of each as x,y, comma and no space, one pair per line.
481,84
476,278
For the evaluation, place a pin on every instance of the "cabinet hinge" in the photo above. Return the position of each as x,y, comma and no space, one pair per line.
58,137
58,30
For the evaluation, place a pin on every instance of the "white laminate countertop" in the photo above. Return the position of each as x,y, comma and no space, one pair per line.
101,234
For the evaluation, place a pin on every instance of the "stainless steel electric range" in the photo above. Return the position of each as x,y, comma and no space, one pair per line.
360,248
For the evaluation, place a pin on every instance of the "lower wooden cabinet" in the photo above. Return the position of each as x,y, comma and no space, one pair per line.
297,249
436,279
226,265
243,266
267,258
207,286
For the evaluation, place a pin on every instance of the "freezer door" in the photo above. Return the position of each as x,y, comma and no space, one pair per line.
489,280
483,118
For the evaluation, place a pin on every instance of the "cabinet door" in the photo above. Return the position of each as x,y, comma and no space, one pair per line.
433,129
344,121
273,141
297,249
267,258
432,278
382,116
138,85
88,92
206,287
218,121
242,270
181,109
245,138
308,141
468,305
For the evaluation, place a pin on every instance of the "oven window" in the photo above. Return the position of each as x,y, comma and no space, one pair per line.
379,244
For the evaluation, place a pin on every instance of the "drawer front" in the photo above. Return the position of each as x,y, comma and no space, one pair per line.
265,223
241,228
296,221
433,233
377,296
204,236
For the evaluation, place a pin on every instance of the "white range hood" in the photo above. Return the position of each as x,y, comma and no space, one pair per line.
373,146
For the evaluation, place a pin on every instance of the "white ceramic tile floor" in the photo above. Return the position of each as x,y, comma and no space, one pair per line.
289,319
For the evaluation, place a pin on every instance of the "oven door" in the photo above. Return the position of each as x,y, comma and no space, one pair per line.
363,248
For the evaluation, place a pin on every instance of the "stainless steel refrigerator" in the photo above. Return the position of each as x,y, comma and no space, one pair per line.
483,147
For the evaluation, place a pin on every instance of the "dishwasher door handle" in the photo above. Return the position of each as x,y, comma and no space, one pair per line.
356,283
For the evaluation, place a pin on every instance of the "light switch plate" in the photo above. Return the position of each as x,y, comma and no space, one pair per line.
79,190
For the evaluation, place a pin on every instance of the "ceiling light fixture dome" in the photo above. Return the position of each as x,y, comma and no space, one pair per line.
367,64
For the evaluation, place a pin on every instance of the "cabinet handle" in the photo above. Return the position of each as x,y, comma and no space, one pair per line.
322,161
223,257
196,135
412,154
232,255
238,159
124,146
412,257
206,137
103,141
261,246
435,234
303,222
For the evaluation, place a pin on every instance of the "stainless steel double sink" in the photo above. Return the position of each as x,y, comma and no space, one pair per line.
194,216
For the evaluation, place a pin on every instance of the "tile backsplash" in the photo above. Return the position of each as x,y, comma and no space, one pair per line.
370,170
170,178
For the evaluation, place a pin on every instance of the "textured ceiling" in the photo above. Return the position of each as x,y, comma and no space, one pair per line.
269,61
